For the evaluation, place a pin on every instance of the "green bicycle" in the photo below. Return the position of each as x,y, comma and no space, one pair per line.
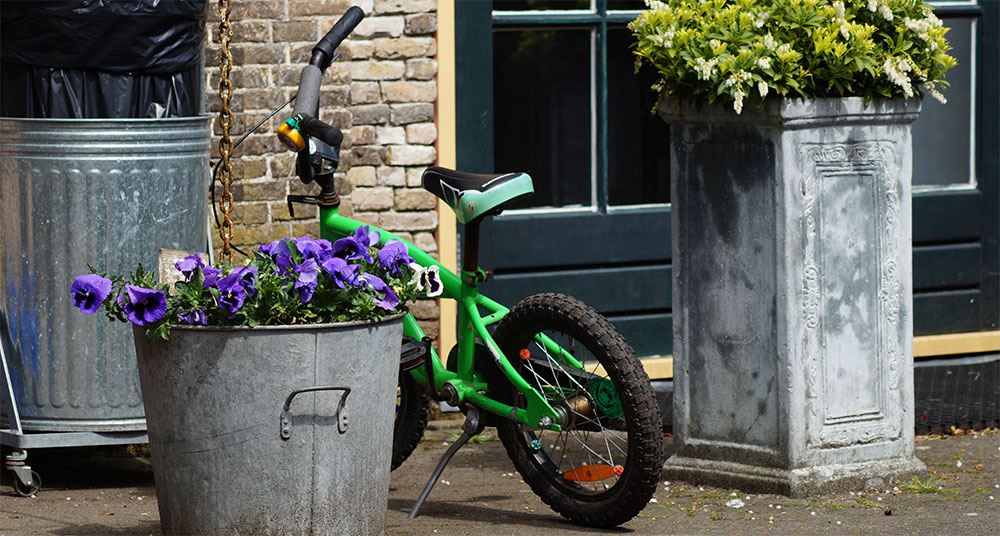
572,404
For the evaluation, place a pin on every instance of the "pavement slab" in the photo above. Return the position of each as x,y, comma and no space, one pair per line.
110,491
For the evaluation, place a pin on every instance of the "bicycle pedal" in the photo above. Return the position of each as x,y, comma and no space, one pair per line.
411,354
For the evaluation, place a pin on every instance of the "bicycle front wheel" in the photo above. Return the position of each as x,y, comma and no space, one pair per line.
602,468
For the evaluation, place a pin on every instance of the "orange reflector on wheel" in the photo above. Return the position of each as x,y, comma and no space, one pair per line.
590,473
525,354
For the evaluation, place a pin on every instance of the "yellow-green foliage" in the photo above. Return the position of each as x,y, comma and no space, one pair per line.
735,51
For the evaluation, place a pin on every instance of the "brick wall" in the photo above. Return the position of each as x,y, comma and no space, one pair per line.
381,93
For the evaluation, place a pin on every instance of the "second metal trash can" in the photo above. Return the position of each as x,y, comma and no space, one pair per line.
72,192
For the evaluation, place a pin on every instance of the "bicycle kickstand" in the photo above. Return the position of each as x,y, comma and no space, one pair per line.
473,426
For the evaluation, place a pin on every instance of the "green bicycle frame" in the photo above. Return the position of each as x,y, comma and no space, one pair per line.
471,324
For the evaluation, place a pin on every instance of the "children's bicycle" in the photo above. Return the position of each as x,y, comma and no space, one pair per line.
570,401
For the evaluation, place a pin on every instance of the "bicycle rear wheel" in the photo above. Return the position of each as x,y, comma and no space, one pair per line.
603,467
412,406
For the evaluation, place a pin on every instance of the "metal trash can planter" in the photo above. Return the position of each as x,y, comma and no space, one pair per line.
238,449
108,192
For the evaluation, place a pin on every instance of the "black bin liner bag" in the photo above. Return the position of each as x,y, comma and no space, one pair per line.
101,58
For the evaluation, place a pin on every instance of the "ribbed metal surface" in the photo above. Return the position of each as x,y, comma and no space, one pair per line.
215,398
105,192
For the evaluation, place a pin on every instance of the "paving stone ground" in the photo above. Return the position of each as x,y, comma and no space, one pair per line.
109,491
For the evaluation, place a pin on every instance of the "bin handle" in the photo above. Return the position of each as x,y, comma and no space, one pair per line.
286,418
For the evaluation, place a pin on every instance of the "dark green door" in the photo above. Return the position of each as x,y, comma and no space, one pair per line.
548,87
956,182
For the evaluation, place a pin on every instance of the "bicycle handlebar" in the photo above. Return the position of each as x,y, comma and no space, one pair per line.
307,98
318,129
336,35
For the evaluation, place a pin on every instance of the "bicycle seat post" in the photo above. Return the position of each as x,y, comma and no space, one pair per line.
470,246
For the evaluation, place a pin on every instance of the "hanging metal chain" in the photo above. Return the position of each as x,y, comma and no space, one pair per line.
225,122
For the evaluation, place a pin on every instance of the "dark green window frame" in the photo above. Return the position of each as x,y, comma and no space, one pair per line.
475,77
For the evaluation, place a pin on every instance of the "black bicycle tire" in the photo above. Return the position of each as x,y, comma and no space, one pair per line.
638,482
411,418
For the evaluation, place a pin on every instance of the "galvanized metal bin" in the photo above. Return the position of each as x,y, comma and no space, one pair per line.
73,192
273,429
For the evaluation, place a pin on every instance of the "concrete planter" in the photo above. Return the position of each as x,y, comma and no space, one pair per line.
792,294
231,456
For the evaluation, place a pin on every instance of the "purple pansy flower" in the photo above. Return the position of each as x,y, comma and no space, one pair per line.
211,277
266,249
306,282
373,282
344,274
275,249
142,305
194,318
356,246
89,292
248,279
232,292
313,249
285,264
393,255
189,265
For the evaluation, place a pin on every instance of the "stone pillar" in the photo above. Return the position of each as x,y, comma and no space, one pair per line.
792,294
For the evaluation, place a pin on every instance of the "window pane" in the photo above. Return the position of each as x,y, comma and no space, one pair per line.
638,152
626,5
941,134
538,5
541,112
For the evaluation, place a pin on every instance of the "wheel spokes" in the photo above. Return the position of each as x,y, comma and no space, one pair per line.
598,445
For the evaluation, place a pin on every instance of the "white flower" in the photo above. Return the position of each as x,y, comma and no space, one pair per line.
762,88
784,48
769,42
872,5
885,11
666,40
657,4
736,79
428,279
895,71
841,11
761,19
845,30
714,43
924,27
705,68
738,106
764,63
935,93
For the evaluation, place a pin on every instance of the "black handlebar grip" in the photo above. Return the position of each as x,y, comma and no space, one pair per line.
318,129
336,35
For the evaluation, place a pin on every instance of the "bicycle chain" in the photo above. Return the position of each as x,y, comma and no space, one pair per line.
226,122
